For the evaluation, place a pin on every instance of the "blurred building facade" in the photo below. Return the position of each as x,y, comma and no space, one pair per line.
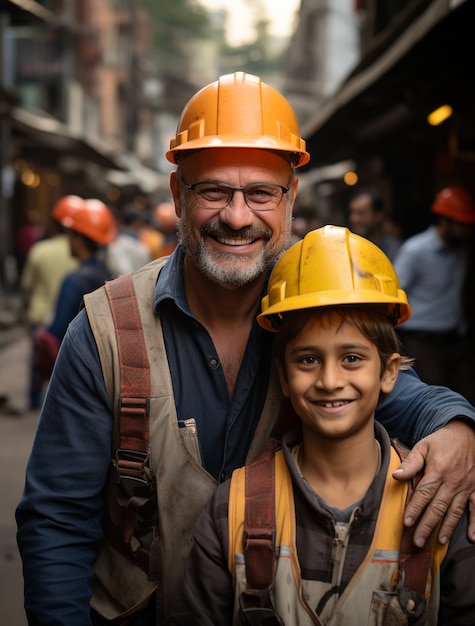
79,113
415,57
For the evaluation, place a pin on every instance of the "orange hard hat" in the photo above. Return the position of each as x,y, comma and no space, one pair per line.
93,220
166,216
239,111
455,203
65,206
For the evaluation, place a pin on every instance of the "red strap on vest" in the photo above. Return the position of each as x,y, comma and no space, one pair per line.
132,457
414,562
259,521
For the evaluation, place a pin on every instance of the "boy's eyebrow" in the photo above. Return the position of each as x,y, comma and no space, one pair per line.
341,346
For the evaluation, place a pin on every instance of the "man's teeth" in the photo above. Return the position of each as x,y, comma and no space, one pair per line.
235,242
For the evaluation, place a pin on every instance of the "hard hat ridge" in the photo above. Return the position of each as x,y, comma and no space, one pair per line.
239,111
332,266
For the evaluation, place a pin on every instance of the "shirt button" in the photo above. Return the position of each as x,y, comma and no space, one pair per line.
222,478
213,362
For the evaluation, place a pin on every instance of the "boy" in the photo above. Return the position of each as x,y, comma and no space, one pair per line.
336,550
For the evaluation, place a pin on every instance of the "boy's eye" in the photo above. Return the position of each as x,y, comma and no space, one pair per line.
309,360
352,358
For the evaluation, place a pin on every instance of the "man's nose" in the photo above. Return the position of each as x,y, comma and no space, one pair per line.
236,213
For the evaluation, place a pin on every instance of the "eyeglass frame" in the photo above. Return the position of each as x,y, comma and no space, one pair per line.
233,189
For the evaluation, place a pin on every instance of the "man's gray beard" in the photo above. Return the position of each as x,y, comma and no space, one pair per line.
232,275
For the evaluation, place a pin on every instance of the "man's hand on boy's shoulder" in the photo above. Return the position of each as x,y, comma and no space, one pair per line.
447,458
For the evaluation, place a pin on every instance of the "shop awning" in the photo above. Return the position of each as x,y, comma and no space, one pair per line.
432,59
26,10
49,134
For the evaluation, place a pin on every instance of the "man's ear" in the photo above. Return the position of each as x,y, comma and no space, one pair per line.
282,378
391,373
175,191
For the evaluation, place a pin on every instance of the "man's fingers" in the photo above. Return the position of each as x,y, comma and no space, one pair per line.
413,463
471,526
435,505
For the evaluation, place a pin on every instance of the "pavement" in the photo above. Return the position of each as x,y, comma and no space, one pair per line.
17,429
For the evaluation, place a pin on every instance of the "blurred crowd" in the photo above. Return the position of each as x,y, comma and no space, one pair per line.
84,244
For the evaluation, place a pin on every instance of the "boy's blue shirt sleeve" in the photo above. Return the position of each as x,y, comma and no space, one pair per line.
414,409
60,514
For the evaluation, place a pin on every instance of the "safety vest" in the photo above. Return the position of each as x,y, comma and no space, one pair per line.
376,595
146,545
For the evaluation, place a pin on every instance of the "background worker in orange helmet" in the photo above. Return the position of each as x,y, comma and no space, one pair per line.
167,223
213,397
432,267
47,263
90,226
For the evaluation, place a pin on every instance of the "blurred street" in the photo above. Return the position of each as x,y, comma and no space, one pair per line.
17,428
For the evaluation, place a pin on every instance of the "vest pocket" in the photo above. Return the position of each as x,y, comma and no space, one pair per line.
189,436
386,610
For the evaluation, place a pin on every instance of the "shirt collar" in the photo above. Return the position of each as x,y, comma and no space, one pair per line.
170,284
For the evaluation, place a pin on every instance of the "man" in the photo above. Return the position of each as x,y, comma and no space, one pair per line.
432,267
47,263
90,226
366,217
213,393
127,252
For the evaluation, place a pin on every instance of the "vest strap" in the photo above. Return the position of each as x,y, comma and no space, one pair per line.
257,601
137,490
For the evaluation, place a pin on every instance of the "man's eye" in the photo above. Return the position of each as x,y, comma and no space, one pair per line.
213,192
260,194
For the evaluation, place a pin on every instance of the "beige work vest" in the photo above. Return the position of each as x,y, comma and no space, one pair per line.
370,599
120,588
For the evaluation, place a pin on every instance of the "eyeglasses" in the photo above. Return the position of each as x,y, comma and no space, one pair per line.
257,196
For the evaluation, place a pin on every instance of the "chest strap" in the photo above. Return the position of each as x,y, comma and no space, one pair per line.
136,493
257,601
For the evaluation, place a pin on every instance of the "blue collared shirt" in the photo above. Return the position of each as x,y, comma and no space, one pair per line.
432,276
225,425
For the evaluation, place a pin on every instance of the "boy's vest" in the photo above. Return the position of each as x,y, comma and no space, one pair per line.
154,460
377,594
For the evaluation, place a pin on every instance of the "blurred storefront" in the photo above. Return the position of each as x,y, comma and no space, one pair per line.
417,56
71,109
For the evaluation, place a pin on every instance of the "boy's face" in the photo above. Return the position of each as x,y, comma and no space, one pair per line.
333,377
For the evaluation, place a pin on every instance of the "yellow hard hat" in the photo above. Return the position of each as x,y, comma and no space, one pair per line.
239,111
332,266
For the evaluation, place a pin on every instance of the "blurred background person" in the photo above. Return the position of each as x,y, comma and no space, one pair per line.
128,252
367,217
167,220
432,269
47,263
28,234
90,228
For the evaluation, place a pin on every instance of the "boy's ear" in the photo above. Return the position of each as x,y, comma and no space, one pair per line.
282,378
391,373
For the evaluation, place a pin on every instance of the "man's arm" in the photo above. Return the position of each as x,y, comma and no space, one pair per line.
416,412
59,516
